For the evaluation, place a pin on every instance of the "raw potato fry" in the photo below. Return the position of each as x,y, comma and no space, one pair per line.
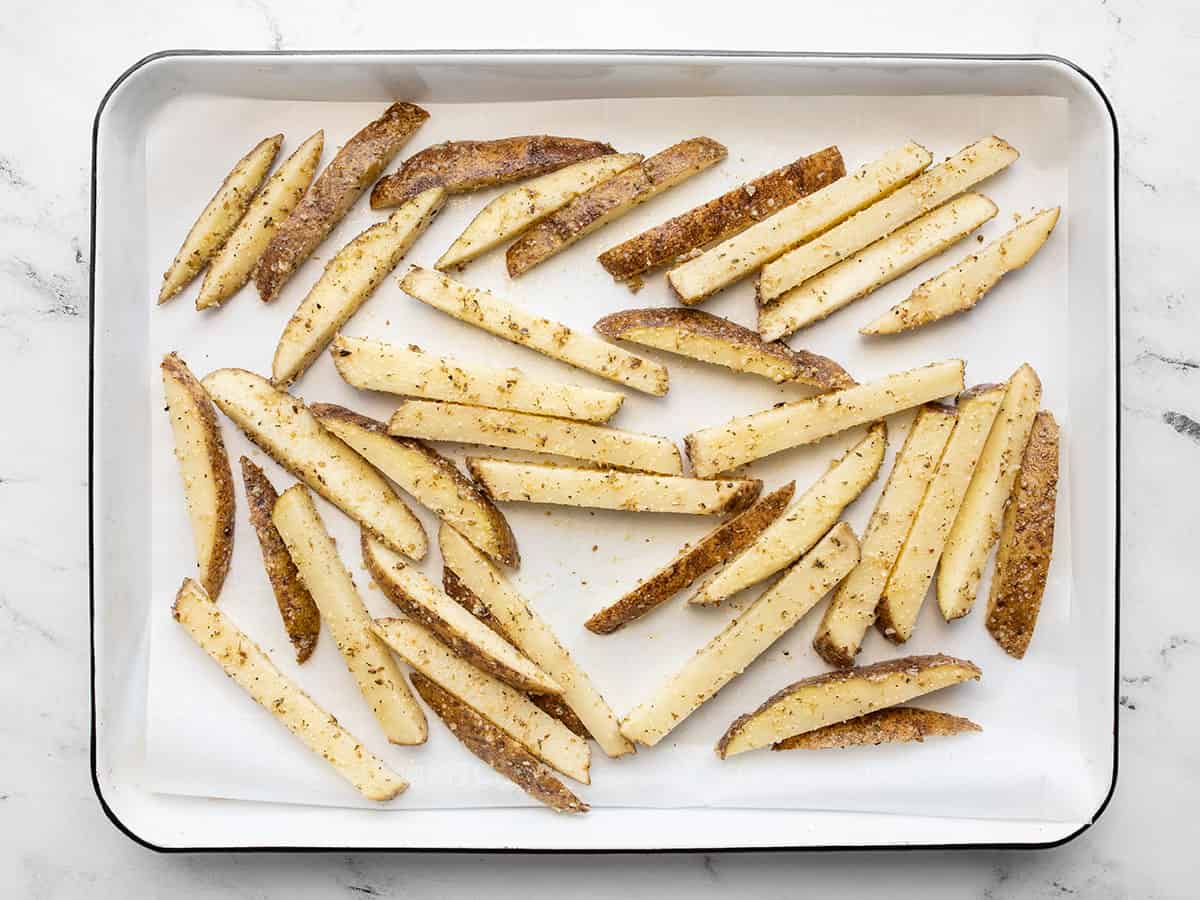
724,216
246,663
803,523
747,438
717,547
218,220
497,749
1026,542
520,482
336,189
423,601
411,372
852,610
556,708
433,480
301,618
884,261
943,182
434,421
961,287
464,166
506,708
232,267
348,280
478,583
894,725
979,518
366,656
745,638
284,427
908,581
834,697
735,258
612,199
516,211
553,339
708,338
204,465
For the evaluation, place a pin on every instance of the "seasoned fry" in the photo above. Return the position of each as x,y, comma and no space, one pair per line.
556,708
894,725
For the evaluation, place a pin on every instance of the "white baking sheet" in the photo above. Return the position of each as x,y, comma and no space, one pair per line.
204,738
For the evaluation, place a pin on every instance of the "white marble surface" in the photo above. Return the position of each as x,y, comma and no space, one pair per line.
57,58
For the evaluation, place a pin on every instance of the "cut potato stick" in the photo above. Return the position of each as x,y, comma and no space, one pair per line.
908,580
852,610
252,670
204,465
348,280
717,547
479,583
884,261
979,518
747,438
961,287
1026,542
735,258
366,656
553,339
834,697
555,707
745,638
802,524
435,421
894,725
708,338
284,427
218,220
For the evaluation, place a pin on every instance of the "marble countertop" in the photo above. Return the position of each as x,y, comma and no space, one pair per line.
59,57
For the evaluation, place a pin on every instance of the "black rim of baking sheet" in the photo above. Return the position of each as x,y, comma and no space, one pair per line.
682,54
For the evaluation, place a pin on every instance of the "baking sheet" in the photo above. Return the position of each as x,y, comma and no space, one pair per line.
204,738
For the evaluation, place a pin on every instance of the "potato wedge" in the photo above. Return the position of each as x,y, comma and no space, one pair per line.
435,421
708,338
366,656
411,372
961,287
802,524
506,708
745,638
463,166
943,182
747,438
204,465
979,518
908,580
252,670
556,708
724,216
1026,542
424,602
218,220
717,547
301,618
479,583
284,427
852,610
733,259
833,697
336,189
894,725
884,261
348,280
433,480
610,200
233,265
515,212
553,339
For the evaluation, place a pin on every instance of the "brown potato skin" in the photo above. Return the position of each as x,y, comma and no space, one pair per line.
556,708
894,725
335,190
462,166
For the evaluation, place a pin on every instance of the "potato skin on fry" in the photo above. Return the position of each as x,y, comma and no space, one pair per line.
894,725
